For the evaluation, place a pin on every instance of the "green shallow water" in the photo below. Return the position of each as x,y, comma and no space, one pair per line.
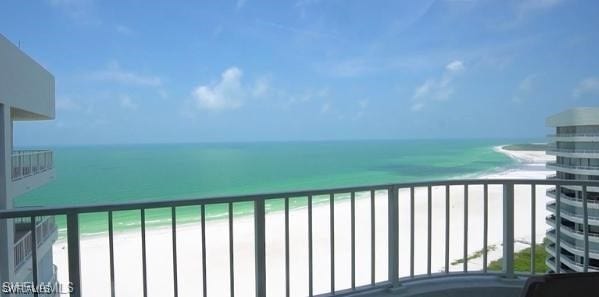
105,174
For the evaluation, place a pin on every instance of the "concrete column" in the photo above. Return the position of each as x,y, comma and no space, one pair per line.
6,226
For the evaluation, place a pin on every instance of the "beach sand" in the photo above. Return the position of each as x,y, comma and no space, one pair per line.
127,244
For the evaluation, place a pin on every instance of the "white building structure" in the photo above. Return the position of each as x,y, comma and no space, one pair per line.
26,94
576,147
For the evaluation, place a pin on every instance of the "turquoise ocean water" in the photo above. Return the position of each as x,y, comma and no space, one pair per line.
118,173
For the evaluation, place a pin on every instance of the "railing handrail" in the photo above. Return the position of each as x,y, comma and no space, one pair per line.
393,280
149,204
16,153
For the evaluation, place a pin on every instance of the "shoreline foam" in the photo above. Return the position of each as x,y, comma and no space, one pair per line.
95,261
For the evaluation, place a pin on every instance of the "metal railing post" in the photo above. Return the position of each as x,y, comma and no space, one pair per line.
73,254
585,225
508,230
393,237
260,245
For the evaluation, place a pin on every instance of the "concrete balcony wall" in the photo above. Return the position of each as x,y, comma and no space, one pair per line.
25,85
575,246
583,170
575,211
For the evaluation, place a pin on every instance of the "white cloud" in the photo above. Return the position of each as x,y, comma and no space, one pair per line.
526,86
349,68
162,93
587,86
228,93
526,6
326,107
307,96
261,88
417,106
127,103
239,4
122,29
78,10
455,66
67,104
298,31
233,91
303,5
438,89
527,83
114,73
363,103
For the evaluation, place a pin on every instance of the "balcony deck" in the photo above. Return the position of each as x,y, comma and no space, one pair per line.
454,286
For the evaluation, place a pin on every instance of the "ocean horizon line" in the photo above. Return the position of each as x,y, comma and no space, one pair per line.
533,139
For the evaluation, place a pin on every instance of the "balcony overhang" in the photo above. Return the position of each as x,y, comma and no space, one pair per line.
580,116
24,115
25,85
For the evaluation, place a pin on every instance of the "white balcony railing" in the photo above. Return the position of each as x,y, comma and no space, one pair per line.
31,162
391,278
23,248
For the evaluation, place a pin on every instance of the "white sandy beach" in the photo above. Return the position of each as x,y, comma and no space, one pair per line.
95,259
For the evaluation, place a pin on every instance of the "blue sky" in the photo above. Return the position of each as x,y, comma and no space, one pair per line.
245,70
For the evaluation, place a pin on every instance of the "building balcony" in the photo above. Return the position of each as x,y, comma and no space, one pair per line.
574,169
567,260
31,162
572,247
573,216
45,232
31,169
574,201
573,137
550,262
572,233
383,269
573,153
